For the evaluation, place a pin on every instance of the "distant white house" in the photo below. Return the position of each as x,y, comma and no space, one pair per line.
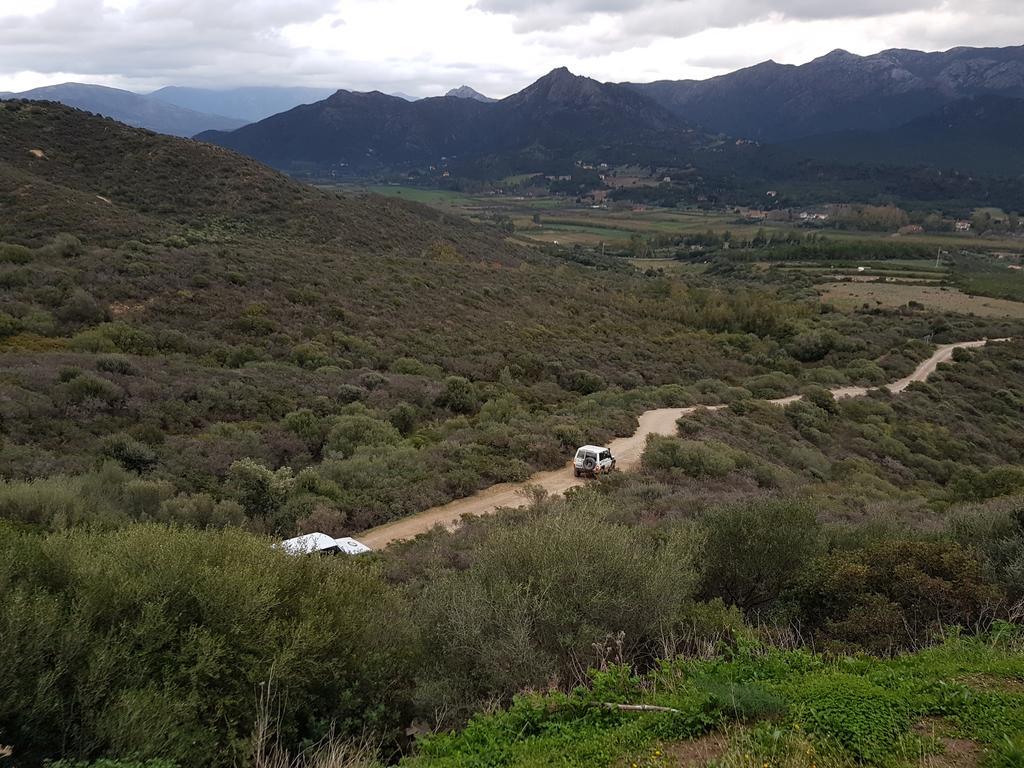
963,226
322,543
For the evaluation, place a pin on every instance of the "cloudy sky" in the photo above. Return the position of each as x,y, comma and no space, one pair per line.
424,47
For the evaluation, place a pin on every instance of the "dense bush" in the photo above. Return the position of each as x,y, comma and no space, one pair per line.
753,553
892,595
696,459
539,602
996,531
155,642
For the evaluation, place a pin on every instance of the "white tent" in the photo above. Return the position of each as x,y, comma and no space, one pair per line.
311,542
351,547
321,542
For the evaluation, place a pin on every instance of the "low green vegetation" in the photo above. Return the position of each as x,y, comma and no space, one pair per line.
765,706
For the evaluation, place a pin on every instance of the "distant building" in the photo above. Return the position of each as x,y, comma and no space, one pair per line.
963,226
772,193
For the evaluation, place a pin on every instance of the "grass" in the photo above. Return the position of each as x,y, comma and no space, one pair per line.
764,707
850,295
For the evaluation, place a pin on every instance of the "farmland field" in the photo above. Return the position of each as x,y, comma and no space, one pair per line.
850,294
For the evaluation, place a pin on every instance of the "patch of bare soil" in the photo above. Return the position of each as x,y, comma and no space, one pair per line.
993,683
696,752
955,753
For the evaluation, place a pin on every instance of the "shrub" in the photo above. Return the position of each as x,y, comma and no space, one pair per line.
971,484
813,346
115,337
584,382
458,395
154,641
242,354
117,364
349,393
404,417
312,355
8,326
361,429
996,531
527,613
409,366
821,398
262,492
129,453
63,245
81,307
86,388
892,595
696,459
754,552
201,511
15,254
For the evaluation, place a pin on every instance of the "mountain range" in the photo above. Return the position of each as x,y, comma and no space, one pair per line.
131,108
550,124
961,110
773,102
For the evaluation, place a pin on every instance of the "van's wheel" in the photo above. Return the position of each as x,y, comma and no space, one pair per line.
589,465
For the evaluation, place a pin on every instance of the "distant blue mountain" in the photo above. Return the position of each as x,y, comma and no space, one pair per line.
131,108
249,104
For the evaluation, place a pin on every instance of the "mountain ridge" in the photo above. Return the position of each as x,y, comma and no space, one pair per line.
839,91
130,108
554,121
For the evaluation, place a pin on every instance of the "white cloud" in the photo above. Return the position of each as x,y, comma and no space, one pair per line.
424,48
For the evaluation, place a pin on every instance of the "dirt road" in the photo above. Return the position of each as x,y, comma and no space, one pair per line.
627,451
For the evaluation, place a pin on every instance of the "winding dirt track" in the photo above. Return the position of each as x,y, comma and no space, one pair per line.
627,452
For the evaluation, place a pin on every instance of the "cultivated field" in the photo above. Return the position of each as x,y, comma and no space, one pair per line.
854,294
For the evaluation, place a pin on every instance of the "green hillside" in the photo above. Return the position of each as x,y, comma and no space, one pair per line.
200,357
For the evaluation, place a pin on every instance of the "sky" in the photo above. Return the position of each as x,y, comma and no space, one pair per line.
425,47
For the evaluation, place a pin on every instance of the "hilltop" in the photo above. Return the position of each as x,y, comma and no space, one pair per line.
465,92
